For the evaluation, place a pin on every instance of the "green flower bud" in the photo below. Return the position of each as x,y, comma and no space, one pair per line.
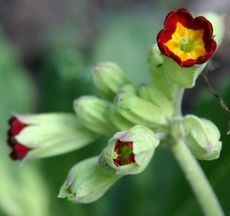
202,136
139,111
109,78
157,70
128,90
86,182
45,135
117,120
91,112
129,151
154,95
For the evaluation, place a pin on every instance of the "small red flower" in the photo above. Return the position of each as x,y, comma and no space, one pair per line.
124,152
19,151
187,40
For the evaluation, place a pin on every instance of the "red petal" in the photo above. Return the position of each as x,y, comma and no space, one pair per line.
16,126
120,159
184,17
19,151
201,22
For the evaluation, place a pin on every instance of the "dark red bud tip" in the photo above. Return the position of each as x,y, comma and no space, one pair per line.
19,151
124,152
16,126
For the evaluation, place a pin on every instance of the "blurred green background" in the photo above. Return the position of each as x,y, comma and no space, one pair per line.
46,50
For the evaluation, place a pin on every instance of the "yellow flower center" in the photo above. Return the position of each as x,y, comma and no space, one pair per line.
186,43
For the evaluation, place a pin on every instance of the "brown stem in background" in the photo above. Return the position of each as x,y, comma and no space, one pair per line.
219,98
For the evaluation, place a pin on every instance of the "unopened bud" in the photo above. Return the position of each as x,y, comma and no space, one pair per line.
139,111
45,135
117,120
109,78
203,137
91,112
86,182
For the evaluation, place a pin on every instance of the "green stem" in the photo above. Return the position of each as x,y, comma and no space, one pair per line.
197,179
178,102
193,172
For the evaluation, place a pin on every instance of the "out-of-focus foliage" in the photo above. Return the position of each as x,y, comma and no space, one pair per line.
65,76
128,43
22,187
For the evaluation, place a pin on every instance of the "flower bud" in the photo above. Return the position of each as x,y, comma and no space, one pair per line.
157,70
129,151
44,135
139,111
109,78
117,120
91,112
86,182
154,95
202,136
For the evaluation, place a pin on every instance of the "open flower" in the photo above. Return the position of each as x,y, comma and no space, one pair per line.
187,40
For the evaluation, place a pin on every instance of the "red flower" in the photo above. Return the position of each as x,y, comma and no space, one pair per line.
19,151
187,40
124,152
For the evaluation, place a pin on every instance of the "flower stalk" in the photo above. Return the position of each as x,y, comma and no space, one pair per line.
192,170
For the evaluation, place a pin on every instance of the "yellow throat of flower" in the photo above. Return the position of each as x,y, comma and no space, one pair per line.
186,43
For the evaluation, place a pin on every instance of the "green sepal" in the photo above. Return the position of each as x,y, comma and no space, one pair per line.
86,182
91,112
202,137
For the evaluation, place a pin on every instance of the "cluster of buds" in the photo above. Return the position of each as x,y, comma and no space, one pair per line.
142,113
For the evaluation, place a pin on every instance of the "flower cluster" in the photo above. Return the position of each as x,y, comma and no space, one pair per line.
143,115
